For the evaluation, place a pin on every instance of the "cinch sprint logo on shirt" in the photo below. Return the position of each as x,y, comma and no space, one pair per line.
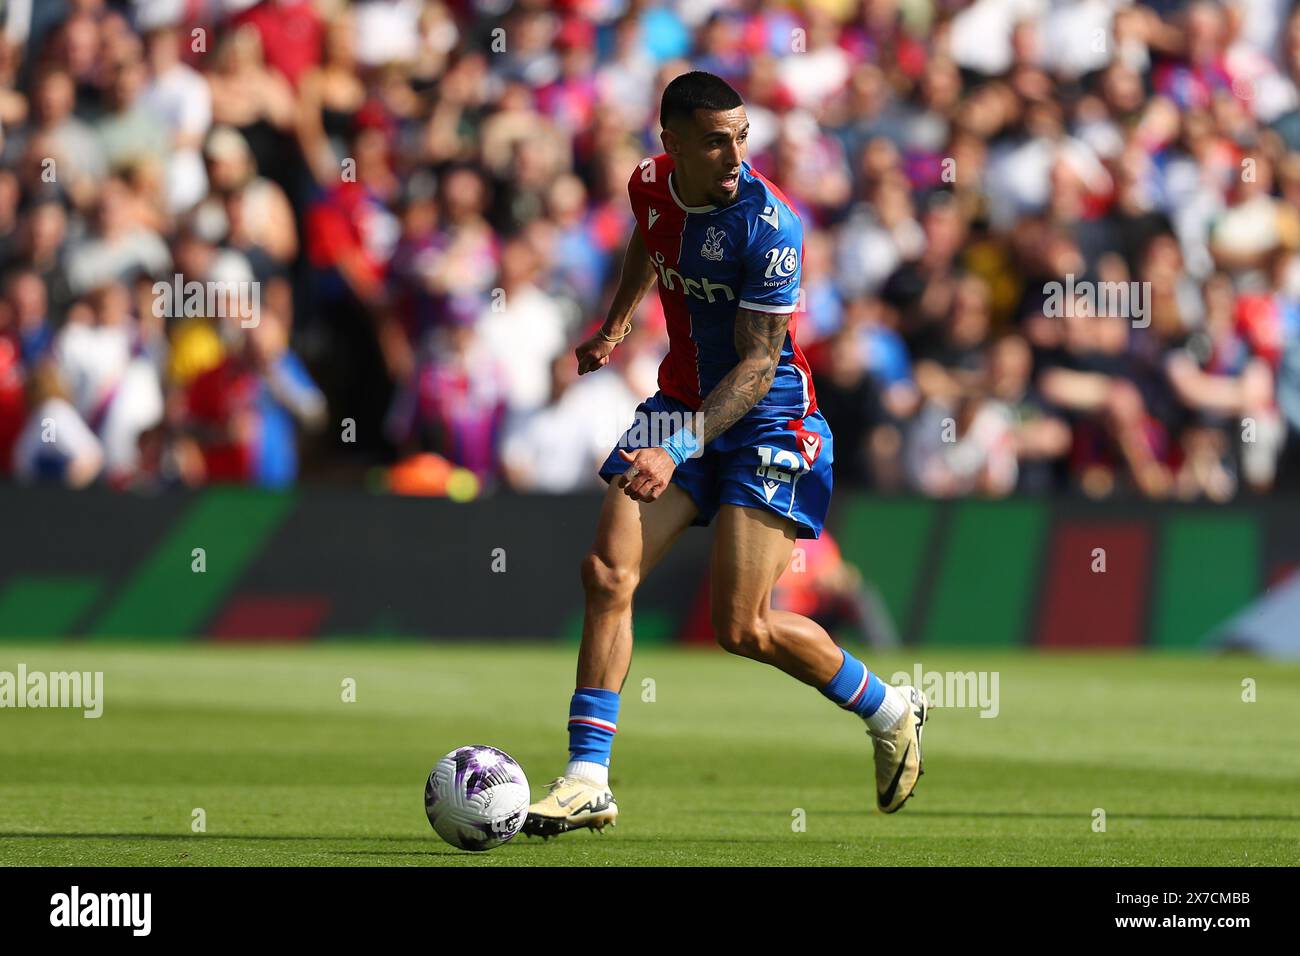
695,288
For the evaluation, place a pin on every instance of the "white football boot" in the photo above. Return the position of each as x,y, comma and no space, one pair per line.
898,753
572,803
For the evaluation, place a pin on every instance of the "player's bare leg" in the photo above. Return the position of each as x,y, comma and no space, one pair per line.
751,549
631,538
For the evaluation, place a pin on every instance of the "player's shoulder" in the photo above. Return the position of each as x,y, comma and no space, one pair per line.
757,189
767,211
650,178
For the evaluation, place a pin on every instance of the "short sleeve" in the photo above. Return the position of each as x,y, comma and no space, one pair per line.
773,261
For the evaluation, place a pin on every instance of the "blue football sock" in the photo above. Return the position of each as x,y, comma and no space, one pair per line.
593,721
855,688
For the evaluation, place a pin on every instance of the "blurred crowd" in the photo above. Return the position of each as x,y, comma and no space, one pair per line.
427,200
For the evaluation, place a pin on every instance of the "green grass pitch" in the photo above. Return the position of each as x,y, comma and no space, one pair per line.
713,771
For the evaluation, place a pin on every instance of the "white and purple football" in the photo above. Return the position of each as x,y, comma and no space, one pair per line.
476,797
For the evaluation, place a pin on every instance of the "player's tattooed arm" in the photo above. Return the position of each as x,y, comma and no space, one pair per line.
759,339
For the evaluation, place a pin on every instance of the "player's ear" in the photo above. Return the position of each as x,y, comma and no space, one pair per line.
672,142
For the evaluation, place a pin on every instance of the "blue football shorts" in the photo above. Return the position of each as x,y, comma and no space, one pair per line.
773,464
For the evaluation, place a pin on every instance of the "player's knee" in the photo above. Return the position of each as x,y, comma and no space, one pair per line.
745,636
605,581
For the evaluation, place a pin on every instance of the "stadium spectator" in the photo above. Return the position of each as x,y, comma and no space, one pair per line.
329,98
112,384
524,326
55,444
245,411
255,100
1040,433
118,247
131,128
28,316
40,246
559,447
458,406
73,144
179,95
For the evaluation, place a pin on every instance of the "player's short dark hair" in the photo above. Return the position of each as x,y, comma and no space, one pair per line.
693,91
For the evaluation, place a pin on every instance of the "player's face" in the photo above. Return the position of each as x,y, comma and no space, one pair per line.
709,151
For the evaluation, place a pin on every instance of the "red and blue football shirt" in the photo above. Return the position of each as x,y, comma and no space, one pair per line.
711,261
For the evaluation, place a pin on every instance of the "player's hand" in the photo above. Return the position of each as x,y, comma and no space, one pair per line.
593,353
648,474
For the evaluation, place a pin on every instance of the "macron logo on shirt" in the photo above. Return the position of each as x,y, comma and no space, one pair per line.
769,215
652,218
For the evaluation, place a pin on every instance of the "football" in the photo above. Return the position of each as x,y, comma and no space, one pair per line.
476,797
